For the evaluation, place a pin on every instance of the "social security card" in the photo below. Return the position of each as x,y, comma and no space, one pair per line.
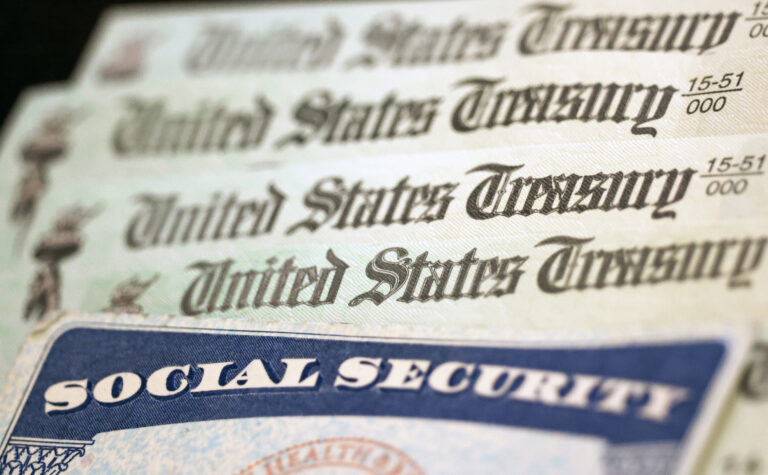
121,393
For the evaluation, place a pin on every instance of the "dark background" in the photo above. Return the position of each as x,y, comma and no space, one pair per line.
41,41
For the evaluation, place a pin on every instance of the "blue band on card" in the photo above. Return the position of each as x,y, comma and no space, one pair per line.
96,380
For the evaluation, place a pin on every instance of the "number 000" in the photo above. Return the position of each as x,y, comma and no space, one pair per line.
727,186
706,105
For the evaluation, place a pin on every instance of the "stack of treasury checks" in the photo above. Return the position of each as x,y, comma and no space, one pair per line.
392,238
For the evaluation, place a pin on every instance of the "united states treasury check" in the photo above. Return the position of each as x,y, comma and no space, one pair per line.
171,43
222,395
208,122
